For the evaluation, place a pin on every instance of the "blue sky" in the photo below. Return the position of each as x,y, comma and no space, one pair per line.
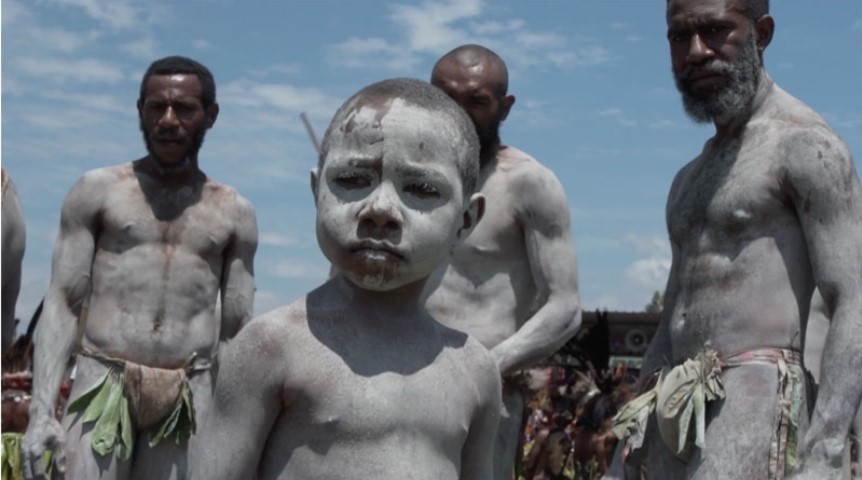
595,103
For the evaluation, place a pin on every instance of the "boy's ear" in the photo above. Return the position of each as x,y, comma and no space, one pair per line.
472,214
315,179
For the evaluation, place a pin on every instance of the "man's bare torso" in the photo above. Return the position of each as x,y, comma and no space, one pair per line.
742,256
402,412
157,266
487,289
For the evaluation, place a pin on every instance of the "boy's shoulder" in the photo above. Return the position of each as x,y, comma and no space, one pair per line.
466,348
276,326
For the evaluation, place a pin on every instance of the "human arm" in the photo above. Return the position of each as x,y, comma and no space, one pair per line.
246,403
537,454
477,459
55,333
544,219
237,282
822,183
14,242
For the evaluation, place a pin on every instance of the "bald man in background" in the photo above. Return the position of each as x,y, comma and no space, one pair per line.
513,283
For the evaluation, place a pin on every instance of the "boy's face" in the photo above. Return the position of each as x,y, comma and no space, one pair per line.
389,197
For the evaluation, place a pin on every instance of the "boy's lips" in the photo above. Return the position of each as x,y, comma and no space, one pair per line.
376,249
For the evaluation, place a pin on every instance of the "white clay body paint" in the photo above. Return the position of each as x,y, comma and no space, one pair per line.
389,187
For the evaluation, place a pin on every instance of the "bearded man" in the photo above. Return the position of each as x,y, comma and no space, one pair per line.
149,246
770,210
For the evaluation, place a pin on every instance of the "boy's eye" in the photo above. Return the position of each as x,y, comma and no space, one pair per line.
422,190
352,180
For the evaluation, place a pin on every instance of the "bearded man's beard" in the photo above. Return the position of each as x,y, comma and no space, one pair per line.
489,142
197,143
743,75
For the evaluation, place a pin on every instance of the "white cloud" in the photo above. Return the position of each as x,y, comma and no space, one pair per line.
649,273
277,239
436,27
648,243
857,25
622,118
14,11
265,301
83,70
12,86
97,101
493,28
843,120
116,14
201,44
281,96
590,55
144,47
428,25
57,39
661,124
371,52
531,104
65,119
561,59
540,40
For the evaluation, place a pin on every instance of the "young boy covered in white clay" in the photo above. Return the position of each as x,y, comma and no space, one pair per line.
357,380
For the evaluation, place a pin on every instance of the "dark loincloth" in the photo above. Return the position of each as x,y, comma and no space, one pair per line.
131,397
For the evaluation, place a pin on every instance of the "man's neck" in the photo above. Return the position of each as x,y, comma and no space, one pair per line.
181,173
732,127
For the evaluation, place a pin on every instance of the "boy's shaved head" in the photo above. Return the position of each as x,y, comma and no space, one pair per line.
422,95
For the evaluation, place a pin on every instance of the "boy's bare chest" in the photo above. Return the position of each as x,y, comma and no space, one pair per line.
361,401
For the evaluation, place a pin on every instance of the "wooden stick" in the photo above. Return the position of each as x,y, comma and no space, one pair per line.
310,131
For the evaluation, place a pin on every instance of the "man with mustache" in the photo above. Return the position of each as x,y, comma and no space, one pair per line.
769,210
513,283
149,246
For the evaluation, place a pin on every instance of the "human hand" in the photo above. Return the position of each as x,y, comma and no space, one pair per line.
816,474
823,460
44,444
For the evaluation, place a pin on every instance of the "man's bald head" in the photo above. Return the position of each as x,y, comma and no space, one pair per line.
478,80
485,62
